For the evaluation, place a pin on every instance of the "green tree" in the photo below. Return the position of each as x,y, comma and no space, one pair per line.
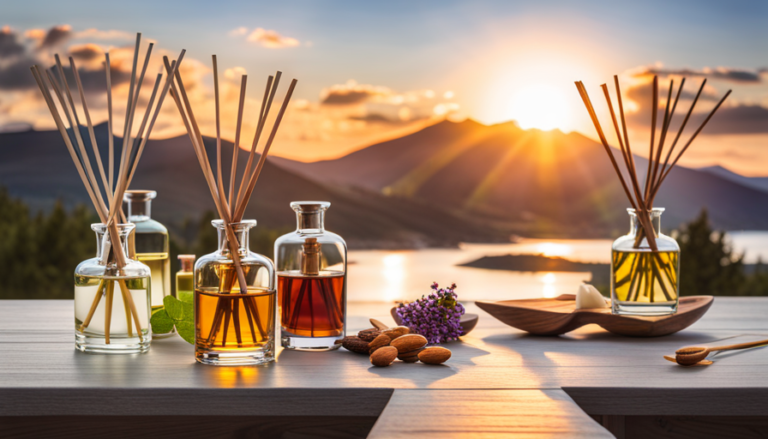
708,266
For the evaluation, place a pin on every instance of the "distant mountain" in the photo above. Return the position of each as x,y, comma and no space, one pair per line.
759,183
35,166
530,182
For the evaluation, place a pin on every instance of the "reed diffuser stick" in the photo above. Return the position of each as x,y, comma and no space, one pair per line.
236,148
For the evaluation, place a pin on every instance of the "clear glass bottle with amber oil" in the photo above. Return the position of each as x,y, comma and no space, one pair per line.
311,281
234,326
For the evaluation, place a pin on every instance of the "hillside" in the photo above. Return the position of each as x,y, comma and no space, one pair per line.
531,182
35,166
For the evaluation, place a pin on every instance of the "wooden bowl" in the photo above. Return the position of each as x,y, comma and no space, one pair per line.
559,315
468,320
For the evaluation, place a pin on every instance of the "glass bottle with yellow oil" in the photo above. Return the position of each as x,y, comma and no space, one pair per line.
150,243
645,280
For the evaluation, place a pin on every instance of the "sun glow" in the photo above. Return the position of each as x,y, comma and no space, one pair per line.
539,106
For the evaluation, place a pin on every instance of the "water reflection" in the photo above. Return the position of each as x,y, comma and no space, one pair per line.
386,276
549,290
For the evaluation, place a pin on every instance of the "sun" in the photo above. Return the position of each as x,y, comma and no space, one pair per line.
539,106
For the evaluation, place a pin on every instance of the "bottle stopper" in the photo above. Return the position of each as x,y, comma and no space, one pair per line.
310,257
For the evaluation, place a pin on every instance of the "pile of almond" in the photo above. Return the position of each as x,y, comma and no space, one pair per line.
384,345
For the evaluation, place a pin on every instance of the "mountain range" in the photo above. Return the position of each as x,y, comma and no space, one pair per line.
448,183
35,166
533,182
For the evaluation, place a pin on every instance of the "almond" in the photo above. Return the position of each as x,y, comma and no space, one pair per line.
434,355
378,324
355,344
383,356
397,331
379,342
410,357
409,342
368,334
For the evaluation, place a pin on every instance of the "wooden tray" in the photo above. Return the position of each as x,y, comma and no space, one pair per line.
559,315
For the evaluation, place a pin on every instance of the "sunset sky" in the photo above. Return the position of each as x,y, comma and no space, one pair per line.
372,70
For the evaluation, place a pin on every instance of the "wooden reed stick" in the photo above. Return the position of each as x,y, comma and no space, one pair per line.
219,178
266,103
236,148
128,298
682,126
91,132
94,305
664,127
110,136
654,114
108,310
265,153
603,140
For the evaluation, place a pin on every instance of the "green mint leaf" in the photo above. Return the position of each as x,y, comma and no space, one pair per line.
186,296
186,330
161,322
174,308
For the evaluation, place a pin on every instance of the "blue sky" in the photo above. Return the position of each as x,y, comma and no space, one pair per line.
485,53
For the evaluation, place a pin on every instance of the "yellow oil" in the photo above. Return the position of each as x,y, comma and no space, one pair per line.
645,277
160,271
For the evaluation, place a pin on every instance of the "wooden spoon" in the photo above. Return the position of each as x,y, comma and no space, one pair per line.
694,354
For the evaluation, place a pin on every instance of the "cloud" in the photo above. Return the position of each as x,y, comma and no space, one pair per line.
237,32
742,76
97,34
56,36
642,93
739,119
9,43
87,52
266,38
350,93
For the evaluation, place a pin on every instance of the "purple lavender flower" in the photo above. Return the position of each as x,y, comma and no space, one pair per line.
437,316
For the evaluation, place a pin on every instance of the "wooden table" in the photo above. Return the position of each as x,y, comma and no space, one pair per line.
499,382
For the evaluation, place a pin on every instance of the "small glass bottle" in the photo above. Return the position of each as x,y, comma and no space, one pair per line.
150,242
645,281
112,307
311,281
185,278
233,328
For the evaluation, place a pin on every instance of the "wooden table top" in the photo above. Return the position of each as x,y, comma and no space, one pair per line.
499,381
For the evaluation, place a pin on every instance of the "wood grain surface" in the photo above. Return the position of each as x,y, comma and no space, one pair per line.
41,374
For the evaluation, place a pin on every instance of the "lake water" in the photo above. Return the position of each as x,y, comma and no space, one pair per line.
388,276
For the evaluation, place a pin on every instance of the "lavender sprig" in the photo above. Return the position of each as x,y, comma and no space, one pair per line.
437,316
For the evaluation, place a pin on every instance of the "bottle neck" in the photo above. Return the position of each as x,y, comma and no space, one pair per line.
654,218
310,222
105,249
139,210
242,235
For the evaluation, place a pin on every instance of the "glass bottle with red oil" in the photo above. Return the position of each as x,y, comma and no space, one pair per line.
311,281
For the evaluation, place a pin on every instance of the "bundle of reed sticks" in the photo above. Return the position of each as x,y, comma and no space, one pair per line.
231,207
646,276
131,150
641,197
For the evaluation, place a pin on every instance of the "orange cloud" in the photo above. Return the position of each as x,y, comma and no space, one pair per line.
266,38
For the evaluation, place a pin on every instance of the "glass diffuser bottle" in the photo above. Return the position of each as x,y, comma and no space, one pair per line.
112,307
311,281
645,281
150,242
233,327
